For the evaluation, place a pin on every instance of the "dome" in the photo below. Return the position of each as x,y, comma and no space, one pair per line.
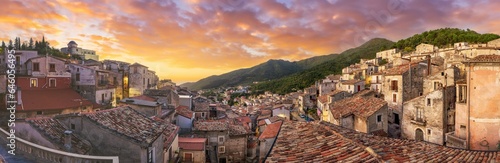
72,42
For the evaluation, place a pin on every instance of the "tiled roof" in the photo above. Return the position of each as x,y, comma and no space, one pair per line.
485,58
184,111
244,119
334,77
130,123
359,106
239,129
308,142
145,98
54,130
211,125
169,135
137,64
158,92
365,93
400,69
51,99
326,142
323,99
195,144
271,130
351,82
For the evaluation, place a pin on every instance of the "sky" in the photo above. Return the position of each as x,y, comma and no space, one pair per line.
187,40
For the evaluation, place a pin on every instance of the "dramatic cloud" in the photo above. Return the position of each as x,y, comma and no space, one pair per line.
186,40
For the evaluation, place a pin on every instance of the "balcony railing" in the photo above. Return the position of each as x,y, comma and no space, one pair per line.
45,154
418,121
454,141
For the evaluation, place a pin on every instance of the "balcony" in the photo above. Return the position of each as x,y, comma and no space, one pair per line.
454,141
45,154
418,121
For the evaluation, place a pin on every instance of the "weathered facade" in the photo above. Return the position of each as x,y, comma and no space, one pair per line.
477,122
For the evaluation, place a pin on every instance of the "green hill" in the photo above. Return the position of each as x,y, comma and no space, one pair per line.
271,69
444,37
306,78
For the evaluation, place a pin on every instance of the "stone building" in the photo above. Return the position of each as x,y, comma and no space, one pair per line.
94,84
389,55
425,48
45,90
267,139
192,149
146,105
430,116
402,83
140,79
352,86
124,132
227,138
363,114
477,123
76,51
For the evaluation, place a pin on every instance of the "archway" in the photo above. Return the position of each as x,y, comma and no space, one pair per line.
419,135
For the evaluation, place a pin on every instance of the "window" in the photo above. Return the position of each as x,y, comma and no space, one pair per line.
429,131
73,126
379,118
394,98
419,115
428,102
39,113
18,60
52,67
77,77
203,115
151,155
394,85
33,82
77,69
52,83
222,149
36,66
437,85
221,139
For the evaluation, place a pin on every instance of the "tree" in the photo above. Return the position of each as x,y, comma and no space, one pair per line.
3,45
10,44
30,45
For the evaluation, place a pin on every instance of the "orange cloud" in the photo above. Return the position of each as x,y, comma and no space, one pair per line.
188,40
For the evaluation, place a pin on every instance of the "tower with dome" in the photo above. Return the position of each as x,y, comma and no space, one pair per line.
77,52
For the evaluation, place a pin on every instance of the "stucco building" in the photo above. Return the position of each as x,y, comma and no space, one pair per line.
477,122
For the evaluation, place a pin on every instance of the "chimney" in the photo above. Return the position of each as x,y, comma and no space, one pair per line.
67,139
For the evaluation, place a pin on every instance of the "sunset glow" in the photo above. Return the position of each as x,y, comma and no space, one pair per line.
186,40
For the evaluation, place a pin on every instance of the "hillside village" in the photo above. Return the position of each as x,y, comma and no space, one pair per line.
431,105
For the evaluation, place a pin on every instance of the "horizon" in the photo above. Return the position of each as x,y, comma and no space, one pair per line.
197,39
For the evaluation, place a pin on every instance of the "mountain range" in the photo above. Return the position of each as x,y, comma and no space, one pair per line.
280,76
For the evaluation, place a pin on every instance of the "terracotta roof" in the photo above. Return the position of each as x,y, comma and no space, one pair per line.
130,123
351,82
169,135
195,144
244,119
359,106
51,99
184,111
211,125
334,77
54,130
400,69
485,58
308,142
137,64
365,93
145,98
271,131
326,142
323,99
